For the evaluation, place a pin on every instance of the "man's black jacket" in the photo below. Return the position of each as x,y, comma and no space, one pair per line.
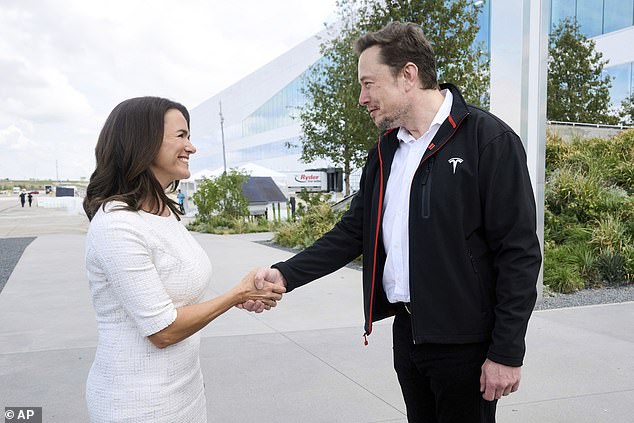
474,252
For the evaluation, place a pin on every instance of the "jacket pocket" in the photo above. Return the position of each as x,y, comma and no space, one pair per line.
425,192
478,279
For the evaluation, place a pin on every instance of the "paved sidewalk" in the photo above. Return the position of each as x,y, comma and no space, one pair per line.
304,361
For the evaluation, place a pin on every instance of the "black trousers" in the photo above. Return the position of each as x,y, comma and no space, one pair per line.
440,382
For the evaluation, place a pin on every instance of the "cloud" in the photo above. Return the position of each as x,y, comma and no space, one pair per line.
14,139
66,63
39,94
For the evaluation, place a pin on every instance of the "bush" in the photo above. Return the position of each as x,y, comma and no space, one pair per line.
315,218
223,196
557,152
223,225
611,267
561,273
589,212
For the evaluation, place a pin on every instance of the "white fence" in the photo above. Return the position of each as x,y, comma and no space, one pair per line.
72,204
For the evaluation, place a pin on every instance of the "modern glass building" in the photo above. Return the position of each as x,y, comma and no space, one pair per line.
260,111
259,116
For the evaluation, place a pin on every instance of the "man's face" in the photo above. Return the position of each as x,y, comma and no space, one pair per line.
381,93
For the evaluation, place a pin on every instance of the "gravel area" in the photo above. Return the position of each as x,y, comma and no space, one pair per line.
585,297
12,249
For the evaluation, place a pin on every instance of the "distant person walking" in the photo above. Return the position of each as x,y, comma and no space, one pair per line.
181,201
30,199
22,198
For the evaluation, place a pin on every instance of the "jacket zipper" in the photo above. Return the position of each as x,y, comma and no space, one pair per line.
426,198
376,241
426,190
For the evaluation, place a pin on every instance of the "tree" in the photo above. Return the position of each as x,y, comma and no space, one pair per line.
333,124
451,26
627,110
577,90
222,196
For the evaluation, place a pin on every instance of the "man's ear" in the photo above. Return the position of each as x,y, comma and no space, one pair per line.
409,73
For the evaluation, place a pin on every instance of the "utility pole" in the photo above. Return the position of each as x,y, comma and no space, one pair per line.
222,135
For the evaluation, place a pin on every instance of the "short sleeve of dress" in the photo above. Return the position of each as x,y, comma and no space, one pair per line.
122,252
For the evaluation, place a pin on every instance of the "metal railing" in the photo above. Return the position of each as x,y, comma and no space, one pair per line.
588,125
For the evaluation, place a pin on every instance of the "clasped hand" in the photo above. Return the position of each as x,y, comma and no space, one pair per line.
262,278
259,295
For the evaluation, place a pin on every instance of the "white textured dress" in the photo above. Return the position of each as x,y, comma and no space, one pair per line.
141,267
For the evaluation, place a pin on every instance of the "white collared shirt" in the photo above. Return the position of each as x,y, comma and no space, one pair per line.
396,204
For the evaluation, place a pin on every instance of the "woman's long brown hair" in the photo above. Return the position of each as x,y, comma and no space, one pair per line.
128,144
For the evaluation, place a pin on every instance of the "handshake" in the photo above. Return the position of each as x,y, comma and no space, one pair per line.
260,290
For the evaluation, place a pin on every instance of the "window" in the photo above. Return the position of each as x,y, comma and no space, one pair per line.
617,14
484,21
561,9
595,17
621,82
279,111
266,151
590,17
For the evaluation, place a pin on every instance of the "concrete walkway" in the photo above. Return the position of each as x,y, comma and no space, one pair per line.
302,362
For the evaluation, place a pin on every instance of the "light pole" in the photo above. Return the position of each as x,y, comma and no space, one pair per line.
222,136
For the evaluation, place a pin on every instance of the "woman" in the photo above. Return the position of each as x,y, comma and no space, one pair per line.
147,274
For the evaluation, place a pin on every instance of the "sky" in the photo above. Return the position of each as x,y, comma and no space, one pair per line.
65,64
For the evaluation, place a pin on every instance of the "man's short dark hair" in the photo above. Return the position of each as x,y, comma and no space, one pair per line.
401,43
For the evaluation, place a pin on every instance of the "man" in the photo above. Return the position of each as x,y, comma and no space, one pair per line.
445,219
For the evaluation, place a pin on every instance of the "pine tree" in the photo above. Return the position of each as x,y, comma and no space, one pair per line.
577,89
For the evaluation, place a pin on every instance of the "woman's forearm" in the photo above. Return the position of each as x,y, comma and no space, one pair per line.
190,319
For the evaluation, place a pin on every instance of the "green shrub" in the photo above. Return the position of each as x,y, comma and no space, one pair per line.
589,212
571,193
584,257
222,195
311,225
223,225
611,158
610,235
557,152
315,218
561,273
611,267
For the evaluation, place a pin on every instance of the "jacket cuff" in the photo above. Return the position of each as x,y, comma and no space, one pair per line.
505,360
285,271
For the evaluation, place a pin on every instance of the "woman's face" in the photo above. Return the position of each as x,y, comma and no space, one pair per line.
172,160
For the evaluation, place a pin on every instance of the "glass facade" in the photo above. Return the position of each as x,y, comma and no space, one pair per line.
590,17
484,20
266,151
595,17
621,82
617,14
561,9
279,111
